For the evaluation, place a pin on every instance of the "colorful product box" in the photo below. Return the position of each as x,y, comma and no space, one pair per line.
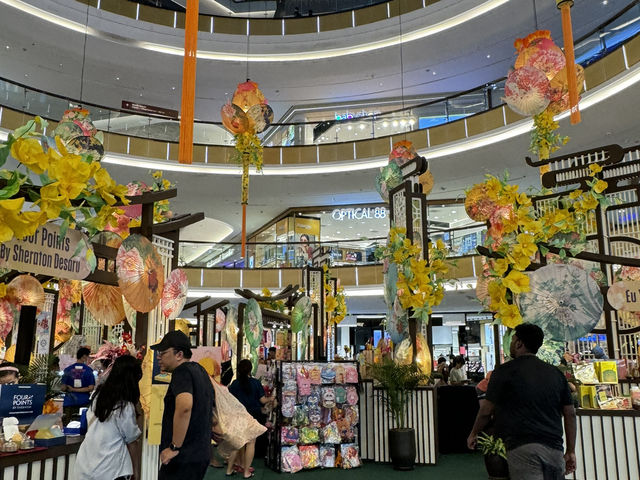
587,396
607,371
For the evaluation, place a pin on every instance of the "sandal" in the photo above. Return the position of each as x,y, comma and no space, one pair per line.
250,475
239,469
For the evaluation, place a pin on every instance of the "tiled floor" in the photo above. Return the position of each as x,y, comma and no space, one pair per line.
449,467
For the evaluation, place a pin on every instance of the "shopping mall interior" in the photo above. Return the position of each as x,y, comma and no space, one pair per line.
346,80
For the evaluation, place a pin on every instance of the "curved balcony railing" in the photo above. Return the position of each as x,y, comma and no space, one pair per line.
338,127
460,241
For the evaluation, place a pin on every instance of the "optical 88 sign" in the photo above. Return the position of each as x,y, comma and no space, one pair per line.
341,214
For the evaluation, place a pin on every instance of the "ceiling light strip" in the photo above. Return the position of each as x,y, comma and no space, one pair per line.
394,40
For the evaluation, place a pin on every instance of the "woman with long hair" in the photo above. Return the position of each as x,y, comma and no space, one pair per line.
250,393
109,450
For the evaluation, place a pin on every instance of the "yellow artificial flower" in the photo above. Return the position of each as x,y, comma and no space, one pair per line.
575,194
589,202
51,202
516,281
526,244
523,200
600,186
497,291
8,209
594,168
509,315
166,184
14,222
493,187
500,266
438,266
157,174
520,262
28,151
509,195
440,244
330,303
104,185
3,290
266,292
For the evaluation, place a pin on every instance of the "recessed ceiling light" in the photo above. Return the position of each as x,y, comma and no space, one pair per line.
433,73
453,211
337,232
385,124
488,55
349,127
7,47
117,78
435,218
173,88
26,74
605,2
362,126
394,123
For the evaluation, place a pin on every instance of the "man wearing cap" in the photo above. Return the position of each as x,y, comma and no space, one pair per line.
185,446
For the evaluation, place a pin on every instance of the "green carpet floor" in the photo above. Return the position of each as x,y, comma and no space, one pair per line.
449,467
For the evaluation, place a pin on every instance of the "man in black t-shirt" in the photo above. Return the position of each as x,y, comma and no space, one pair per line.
185,446
530,399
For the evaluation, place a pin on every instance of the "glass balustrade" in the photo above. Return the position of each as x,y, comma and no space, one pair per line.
334,128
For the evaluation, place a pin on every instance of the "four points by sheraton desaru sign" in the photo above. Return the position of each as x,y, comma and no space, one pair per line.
46,253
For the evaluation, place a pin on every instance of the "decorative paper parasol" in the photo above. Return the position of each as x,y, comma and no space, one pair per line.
404,354
560,100
390,177
231,327
104,302
260,117
402,152
130,312
221,320
301,314
140,273
544,55
8,314
26,290
398,323
253,323
234,119
478,205
551,352
426,180
390,283
527,91
624,296
564,301
86,145
482,289
506,343
174,294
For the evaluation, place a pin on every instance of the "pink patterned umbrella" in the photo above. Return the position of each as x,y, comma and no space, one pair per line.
174,294
527,91
544,55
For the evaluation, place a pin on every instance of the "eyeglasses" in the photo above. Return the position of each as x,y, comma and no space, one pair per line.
160,354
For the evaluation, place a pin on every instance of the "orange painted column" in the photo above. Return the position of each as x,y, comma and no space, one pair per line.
185,151
567,36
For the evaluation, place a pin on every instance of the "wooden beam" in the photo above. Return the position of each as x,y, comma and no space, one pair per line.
214,307
196,302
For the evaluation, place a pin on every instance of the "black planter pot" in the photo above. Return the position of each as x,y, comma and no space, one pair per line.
497,467
402,448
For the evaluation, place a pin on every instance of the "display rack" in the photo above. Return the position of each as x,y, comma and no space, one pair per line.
330,432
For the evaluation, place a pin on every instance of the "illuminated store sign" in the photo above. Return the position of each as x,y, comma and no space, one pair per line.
349,115
358,213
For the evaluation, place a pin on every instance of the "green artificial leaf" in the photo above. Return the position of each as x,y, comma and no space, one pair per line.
543,250
81,244
4,153
44,179
95,201
562,253
34,195
25,129
63,229
12,187
92,260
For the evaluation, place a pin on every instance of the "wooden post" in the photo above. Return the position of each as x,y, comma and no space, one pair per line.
185,151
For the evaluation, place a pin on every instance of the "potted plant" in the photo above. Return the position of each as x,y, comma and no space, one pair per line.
495,456
397,381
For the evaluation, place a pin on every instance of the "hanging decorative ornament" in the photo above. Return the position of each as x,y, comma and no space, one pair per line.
140,273
301,315
104,302
567,37
478,205
26,290
390,175
8,315
231,327
174,294
247,115
526,91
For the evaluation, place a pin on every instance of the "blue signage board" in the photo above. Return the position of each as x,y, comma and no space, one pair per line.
22,401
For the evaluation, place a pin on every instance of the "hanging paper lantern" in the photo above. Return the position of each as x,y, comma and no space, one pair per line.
174,294
247,95
402,152
26,290
527,91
